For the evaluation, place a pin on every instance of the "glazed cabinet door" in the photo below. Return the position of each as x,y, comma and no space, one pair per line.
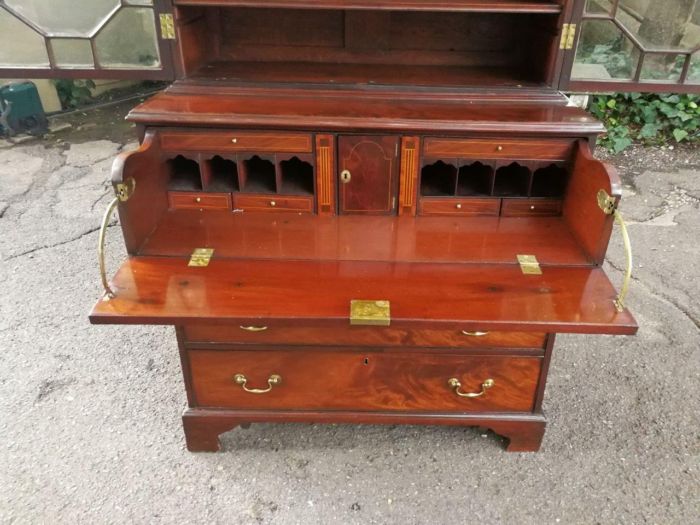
368,168
86,39
633,45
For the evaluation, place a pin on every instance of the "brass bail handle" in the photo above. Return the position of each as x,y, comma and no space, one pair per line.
609,206
456,385
109,293
272,381
123,193
620,301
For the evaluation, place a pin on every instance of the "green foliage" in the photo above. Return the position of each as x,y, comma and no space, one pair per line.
649,119
74,93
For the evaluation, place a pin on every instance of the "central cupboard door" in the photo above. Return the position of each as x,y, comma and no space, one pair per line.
368,174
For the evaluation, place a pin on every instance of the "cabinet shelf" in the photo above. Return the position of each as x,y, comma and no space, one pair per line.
483,6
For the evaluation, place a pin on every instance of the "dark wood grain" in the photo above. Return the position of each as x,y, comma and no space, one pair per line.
370,336
324,110
203,426
370,238
459,207
373,164
185,200
362,380
142,212
164,290
586,220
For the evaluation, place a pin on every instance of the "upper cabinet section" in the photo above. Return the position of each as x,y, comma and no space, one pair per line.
85,38
636,45
410,45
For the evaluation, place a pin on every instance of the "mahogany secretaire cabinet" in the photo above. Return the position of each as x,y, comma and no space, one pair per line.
365,211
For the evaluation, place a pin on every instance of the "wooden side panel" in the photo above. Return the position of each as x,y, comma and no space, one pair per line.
373,166
325,174
139,216
408,186
586,220
324,379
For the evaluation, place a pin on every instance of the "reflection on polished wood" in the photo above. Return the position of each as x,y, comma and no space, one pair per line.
164,290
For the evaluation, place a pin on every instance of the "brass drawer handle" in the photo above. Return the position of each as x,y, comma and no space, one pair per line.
254,328
474,334
272,381
455,384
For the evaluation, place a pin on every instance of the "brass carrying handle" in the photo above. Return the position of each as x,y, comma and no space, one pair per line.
620,301
456,385
272,381
474,334
254,328
109,293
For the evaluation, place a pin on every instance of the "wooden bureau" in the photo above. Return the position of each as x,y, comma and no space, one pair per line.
369,211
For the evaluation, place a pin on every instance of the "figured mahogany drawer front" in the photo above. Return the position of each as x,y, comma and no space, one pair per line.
190,200
533,149
361,335
273,203
236,141
316,379
462,207
531,207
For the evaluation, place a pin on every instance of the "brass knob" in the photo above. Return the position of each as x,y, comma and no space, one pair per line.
273,203
235,141
499,148
459,206
198,199
532,207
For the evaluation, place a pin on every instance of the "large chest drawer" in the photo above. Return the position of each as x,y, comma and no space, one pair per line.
329,379
268,333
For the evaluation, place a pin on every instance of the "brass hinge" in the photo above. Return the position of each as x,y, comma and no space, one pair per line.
607,203
370,313
125,190
201,257
568,36
167,26
529,265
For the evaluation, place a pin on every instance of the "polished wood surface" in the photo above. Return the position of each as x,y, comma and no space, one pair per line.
526,6
203,426
184,200
235,140
314,378
369,336
503,148
371,164
368,238
531,207
324,110
272,203
587,222
459,207
164,290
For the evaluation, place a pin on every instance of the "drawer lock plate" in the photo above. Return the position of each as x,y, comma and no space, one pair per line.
370,313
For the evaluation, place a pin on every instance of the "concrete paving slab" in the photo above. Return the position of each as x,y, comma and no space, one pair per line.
89,416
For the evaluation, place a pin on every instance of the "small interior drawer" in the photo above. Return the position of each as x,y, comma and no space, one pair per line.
533,149
299,378
273,203
184,200
465,207
269,333
223,141
531,207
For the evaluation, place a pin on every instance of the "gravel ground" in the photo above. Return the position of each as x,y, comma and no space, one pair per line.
90,416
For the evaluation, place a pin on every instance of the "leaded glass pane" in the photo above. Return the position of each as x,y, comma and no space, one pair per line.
72,52
21,46
604,53
66,17
129,40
